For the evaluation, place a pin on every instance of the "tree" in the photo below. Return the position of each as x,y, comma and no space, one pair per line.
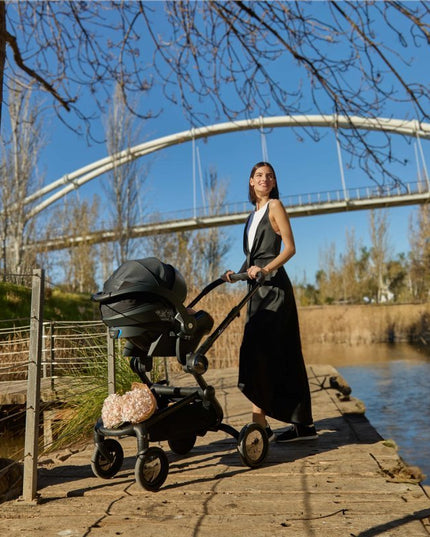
79,263
180,251
397,271
18,168
419,233
197,255
327,276
213,243
226,59
350,277
124,185
379,252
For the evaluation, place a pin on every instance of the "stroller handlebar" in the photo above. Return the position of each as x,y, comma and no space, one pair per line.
235,277
242,276
239,276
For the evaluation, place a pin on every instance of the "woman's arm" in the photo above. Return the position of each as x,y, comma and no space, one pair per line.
281,225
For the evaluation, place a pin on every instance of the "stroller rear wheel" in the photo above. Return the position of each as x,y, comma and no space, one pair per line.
252,445
151,468
108,464
182,445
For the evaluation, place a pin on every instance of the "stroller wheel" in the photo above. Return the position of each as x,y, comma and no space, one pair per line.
151,468
182,445
252,445
107,465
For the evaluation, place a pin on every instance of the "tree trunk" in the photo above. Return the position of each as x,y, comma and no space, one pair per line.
2,51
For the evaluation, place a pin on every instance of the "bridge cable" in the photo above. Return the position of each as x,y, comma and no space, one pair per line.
264,151
339,158
417,160
426,175
202,186
193,147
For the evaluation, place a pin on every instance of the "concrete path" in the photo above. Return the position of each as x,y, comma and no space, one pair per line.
348,483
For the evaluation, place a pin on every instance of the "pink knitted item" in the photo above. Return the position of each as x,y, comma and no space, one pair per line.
134,406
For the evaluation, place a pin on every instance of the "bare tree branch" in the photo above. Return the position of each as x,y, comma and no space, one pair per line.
224,59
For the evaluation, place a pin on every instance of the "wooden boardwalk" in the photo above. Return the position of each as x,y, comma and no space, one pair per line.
348,483
14,392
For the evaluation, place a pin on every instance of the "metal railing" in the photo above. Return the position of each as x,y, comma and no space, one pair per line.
299,200
45,349
66,345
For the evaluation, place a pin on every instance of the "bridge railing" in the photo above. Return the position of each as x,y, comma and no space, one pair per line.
298,200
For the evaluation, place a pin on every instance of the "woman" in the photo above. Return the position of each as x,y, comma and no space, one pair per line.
272,374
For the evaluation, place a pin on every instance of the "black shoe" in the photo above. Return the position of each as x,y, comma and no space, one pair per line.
298,432
270,434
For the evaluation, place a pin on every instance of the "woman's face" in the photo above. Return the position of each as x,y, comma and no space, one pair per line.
263,181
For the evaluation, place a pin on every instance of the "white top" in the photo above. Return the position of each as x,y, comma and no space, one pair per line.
253,224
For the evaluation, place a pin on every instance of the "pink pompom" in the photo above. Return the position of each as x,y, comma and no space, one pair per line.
134,406
112,411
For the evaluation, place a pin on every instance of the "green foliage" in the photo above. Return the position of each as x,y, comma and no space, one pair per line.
89,389
364,274
86,400
15,302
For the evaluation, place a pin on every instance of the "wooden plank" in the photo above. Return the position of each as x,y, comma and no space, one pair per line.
343,484
14,392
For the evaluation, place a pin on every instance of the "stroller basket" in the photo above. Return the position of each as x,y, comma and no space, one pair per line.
142,302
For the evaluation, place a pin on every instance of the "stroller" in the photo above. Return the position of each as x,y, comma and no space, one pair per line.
142,301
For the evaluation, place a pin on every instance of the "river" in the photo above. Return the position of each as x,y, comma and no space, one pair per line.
393,382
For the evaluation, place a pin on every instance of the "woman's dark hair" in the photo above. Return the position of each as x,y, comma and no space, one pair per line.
274,193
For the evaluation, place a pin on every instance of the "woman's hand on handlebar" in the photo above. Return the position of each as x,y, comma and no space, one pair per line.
254,271
226,276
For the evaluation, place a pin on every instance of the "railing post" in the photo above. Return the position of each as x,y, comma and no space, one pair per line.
29,489
44,364
111,364
52,352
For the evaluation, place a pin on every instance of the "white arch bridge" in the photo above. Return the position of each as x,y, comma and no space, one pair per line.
299,205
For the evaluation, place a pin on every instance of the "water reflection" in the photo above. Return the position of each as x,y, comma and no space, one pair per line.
393,383
345,355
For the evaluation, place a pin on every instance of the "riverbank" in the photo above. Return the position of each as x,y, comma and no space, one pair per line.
365,324
343,325
348,482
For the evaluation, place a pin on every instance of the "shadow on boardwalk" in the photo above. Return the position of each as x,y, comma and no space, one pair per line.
345,484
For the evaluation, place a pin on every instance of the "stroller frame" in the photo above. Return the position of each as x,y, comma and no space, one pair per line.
200,410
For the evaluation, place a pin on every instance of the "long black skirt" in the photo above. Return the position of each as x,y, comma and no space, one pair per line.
272,373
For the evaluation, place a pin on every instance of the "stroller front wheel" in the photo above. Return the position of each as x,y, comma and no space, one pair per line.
108,464
151,468
252,445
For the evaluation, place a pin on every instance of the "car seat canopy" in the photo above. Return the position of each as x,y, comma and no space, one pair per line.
141,295
142,301
151,274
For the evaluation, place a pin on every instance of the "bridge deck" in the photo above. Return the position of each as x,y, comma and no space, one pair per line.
311,204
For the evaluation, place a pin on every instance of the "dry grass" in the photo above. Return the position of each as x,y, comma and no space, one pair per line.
363,325
14,348
225,351
346,325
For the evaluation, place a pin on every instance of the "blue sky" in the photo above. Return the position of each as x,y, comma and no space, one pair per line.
302,166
